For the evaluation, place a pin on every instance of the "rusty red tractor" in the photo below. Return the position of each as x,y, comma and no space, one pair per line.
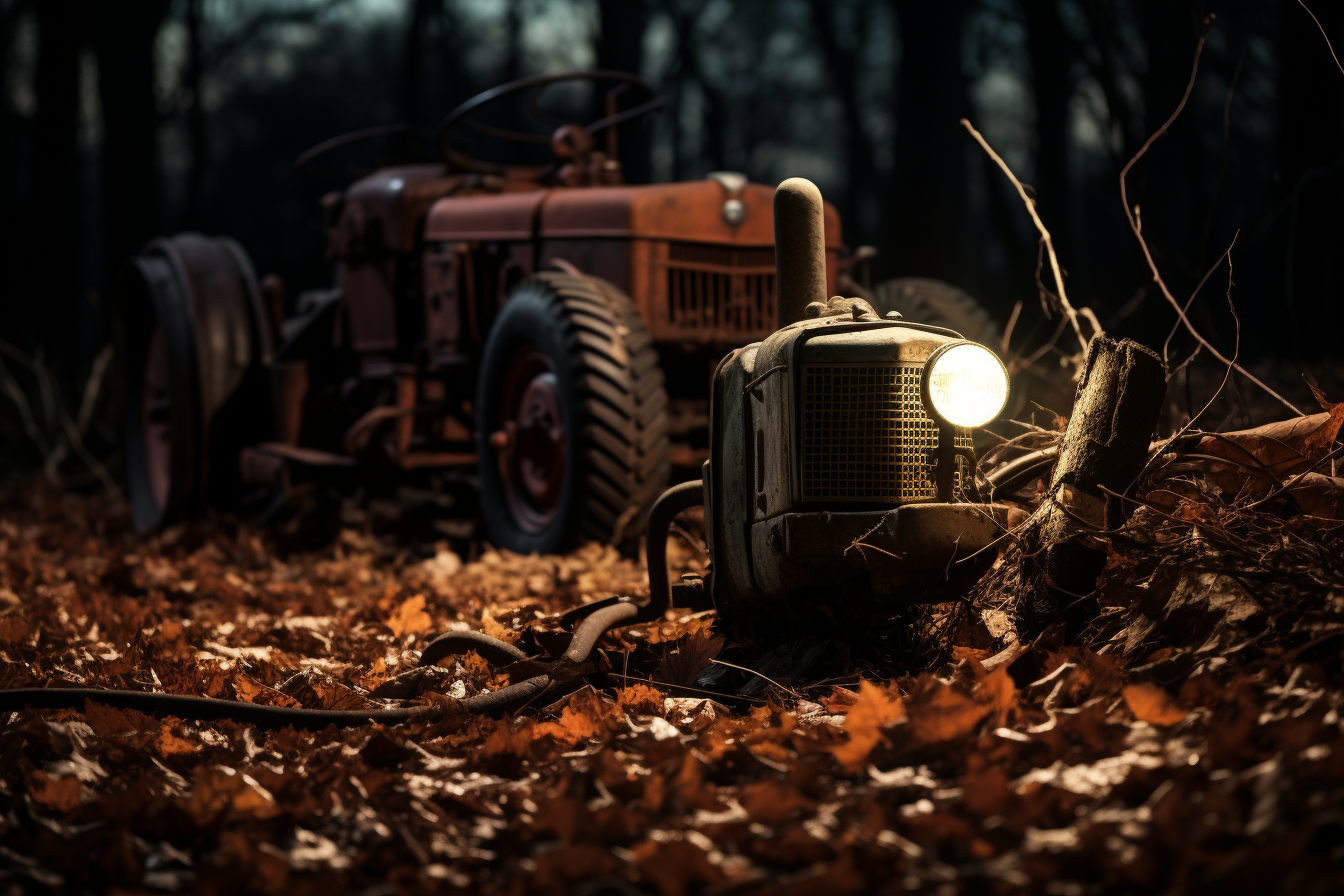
542,324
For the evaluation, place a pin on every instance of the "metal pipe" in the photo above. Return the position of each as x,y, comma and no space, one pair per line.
669,504
800,249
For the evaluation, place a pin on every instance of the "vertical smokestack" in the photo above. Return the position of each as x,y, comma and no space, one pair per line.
800,248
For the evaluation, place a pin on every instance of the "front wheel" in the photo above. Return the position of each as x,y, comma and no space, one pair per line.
571,415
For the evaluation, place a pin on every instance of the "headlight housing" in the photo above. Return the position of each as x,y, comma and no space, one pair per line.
965,384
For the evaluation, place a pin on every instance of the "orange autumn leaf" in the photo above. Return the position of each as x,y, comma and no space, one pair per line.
496,629
640,699
61,794
573,726
410,618
169,744
839,700
1151,704
997,691
250,691
940,712
773,802
222,791
875,707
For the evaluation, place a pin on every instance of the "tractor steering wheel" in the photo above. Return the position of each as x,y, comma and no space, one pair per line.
567,140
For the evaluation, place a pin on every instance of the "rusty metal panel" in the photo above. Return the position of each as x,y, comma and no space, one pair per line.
368,298
442,271
605,258
692,212
489,216
383,210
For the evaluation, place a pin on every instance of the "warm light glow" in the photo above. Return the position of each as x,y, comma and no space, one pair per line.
967,385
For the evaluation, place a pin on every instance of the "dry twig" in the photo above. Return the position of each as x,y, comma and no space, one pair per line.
1072,313
1132,215
1303,4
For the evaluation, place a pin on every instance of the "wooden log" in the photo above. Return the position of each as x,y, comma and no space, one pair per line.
1119,399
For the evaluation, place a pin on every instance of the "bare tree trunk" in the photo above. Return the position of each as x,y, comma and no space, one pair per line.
864,180
124,41
12,138
195,115
513,41
412,59
1311,177
52,281
1048,45
1119,399
620,48
928,195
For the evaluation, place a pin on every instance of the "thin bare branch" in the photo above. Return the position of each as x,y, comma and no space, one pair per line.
1045,239
1303,4
93,387
1132,215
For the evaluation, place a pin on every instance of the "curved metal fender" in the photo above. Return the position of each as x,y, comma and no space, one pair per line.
203,293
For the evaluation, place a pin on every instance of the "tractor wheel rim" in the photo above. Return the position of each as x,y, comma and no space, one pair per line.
532,460
156,420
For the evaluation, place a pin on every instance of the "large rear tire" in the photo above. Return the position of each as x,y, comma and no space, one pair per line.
572,418
925,301
195,348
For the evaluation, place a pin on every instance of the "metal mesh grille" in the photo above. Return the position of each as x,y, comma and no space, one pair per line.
866,436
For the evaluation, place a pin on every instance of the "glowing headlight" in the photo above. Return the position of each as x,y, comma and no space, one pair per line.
966,384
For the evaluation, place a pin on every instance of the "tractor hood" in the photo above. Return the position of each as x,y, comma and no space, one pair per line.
695,211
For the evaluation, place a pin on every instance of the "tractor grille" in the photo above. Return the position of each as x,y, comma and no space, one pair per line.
866,436
720,290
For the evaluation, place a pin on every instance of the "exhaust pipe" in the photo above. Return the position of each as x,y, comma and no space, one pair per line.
800,249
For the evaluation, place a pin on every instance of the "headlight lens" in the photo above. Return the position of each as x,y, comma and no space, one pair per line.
966,384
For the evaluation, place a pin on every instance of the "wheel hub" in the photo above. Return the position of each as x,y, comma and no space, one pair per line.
530,444
156,406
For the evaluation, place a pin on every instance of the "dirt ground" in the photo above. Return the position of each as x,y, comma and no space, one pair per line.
1189,742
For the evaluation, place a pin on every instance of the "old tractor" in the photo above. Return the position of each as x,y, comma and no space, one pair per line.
842,473
543,324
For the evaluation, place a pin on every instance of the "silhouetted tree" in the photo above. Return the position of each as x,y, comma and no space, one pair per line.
620,47
929,180
1311,180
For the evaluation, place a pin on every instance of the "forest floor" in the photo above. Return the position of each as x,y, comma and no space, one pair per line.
1190,741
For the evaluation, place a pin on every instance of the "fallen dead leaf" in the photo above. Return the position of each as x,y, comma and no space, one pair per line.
875,707
410,617
1151,704
59,793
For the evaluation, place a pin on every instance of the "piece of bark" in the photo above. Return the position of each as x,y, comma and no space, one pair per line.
1119,399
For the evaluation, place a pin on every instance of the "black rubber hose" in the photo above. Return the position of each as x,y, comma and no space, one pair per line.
599,617
509,697
204,708
492,650
1011,476
669,504
596,625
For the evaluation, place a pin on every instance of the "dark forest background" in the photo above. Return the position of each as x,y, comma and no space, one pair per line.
123,120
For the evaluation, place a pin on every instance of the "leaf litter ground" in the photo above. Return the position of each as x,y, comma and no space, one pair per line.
1191,741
